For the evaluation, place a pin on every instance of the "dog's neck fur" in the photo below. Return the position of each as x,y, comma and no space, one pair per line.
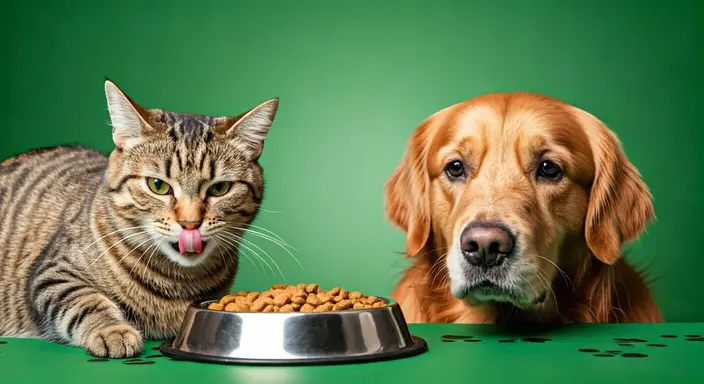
594,293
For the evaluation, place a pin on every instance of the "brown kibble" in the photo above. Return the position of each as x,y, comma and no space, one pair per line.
252,296
313,300
324,297
290,289
227,299
282,299
300,295
344,304
294,298
258,306
333,292
325,307
287,308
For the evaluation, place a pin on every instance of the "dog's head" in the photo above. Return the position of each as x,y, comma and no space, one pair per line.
504,184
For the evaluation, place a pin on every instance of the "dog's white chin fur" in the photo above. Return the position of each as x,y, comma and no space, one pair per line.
460,289
182,260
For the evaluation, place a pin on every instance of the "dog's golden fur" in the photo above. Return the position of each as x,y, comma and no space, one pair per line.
571,231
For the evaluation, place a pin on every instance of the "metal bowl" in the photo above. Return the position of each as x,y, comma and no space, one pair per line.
293,338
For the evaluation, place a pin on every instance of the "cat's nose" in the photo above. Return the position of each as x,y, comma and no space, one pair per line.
190,224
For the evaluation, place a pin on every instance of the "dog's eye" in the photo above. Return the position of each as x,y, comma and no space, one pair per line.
455,169
549,170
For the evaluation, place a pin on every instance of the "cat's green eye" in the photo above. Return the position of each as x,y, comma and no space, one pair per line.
160,187
219,189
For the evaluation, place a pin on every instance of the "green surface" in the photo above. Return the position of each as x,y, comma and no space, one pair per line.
487,361
355,78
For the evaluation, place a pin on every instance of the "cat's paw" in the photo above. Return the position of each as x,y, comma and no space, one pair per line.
116,341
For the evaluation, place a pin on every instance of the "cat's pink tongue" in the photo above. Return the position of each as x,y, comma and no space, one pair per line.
190,241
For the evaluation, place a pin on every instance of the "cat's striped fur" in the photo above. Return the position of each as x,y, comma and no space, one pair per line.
86,247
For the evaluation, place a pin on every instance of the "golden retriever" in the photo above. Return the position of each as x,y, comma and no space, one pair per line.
515,207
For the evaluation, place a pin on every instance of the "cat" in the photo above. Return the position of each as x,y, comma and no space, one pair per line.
104,252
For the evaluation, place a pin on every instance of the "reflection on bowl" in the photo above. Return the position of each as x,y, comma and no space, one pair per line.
293,338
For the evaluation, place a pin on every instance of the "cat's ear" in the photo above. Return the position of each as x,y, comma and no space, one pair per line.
249,130
129,120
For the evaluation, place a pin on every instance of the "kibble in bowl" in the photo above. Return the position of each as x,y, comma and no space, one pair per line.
296,298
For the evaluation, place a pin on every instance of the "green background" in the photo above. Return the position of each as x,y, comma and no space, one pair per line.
355,79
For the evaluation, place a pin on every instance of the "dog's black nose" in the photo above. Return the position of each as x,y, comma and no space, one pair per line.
486,244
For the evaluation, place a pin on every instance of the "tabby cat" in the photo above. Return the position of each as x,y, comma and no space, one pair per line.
104,252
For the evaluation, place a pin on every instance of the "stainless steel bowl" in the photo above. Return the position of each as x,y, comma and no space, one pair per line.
293,338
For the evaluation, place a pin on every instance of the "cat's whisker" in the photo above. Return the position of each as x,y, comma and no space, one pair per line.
241,239
267,230
156,248
272,240
229,252
224,253
237,244
116,243
154,243
279,241
269,211
114,232
137,247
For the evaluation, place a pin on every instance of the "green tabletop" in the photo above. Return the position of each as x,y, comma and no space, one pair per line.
610,353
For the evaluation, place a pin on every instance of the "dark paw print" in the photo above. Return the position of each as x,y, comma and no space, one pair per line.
535,340
698,338
690,337
98,360
599,353
455,338
634,355
610,353
628,342
137,362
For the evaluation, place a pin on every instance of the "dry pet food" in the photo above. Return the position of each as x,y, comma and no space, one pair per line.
296,298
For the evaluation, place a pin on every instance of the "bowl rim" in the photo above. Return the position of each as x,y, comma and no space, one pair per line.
202,306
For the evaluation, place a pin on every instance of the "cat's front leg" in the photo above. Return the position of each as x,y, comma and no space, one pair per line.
69,311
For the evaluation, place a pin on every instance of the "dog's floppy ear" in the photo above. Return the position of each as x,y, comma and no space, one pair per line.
620,204
406,194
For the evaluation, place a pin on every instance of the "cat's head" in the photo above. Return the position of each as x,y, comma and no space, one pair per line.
192,181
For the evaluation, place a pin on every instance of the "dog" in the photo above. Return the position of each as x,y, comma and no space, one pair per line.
515,207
